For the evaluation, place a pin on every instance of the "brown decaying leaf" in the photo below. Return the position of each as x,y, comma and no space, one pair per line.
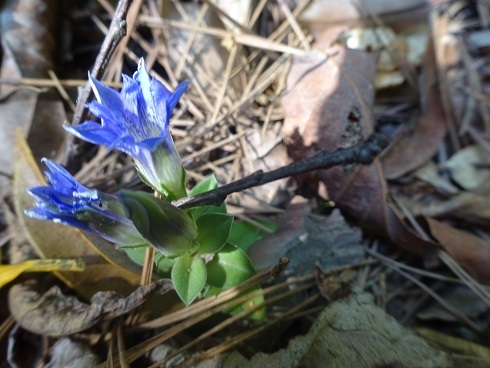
302,238
28,31
470,207
351,332
16,111
412,148
55,314
328,105
265,252
468,250
57,241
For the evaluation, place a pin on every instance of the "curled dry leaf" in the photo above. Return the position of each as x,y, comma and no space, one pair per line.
468,250
55,314
328,105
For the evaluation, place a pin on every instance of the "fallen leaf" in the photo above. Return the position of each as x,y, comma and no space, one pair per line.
70,353
468,250
55,314
472,208
461,298
322,14
57,241
302,238
209,53
265,252
264,151
414,147
29,30
429,174
17,111
328,105
351,332
464,167
10,272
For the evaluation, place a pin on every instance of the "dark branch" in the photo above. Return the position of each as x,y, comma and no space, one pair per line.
116,33
362,153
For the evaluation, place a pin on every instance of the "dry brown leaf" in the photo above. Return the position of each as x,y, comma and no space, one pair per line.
473,208
412,148
55,314
351,332
468,250
303,239
28,31
16,111
464,167
328,106
321,14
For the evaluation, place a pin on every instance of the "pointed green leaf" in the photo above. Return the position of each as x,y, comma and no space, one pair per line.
137,254
189,277
214,230
244,234
204,186
229,267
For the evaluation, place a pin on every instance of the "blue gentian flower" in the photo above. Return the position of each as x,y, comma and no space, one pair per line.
68,202
136,121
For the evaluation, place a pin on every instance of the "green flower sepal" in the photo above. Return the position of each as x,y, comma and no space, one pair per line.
169,229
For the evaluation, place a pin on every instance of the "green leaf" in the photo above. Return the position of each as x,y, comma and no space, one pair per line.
197,212
169,229
189,277
229,267
163,264
137,254
259,314
213,232
204,186
244,234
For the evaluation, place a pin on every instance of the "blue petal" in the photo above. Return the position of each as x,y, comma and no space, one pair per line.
179,91
95,133
105,95
42,214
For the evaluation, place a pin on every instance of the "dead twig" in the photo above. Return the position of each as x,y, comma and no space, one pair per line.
362,153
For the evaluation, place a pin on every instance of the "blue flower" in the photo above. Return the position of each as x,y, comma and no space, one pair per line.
68,202
136,121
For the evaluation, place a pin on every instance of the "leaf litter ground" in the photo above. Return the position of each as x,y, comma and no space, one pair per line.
272,85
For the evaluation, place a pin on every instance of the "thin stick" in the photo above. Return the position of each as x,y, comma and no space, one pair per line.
362,153
116,33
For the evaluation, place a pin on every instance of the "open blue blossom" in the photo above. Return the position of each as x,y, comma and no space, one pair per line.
68,202
136,121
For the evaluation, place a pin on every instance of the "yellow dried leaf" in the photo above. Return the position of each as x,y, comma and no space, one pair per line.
10,272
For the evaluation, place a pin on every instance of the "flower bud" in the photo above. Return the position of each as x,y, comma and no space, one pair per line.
68,202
